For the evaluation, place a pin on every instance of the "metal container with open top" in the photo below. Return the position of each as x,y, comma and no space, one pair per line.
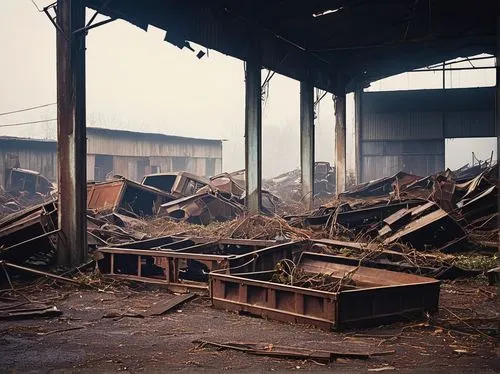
185,263
372,295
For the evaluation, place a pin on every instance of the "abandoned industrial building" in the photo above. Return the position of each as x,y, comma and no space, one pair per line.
104,234
117,152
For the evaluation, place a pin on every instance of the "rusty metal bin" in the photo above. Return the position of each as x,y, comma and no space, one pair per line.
378,295
189,266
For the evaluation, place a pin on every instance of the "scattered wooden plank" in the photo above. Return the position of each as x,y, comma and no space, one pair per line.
163,307
288,352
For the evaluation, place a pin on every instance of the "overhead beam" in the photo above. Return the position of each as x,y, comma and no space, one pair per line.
307,142
253,131
340,142
71,133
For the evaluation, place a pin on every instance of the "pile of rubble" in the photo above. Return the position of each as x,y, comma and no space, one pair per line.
287,185
193,235
441,212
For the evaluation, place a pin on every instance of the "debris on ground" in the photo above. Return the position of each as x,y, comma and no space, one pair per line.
382,252
277,351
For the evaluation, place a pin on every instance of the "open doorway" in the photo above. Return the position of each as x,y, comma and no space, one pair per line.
462,151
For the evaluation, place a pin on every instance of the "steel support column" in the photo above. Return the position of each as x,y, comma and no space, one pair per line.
358,97
253,132
307,142
340,142
71,132
497,106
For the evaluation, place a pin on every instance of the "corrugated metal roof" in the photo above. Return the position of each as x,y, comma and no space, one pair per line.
118,133
333,43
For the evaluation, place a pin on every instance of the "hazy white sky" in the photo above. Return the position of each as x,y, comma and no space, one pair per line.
136,81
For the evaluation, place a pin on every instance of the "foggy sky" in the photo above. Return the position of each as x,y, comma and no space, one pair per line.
136,81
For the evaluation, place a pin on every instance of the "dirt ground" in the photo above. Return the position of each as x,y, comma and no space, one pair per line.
456,339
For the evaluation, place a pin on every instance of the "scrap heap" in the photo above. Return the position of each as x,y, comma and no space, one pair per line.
193,235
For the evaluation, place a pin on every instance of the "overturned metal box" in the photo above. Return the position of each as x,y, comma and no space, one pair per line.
126,197
25,233
377,296
185,263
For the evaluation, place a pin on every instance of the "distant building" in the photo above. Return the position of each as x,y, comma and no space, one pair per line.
109,152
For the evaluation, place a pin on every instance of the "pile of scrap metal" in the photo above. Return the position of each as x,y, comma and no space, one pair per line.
29,232
30,236
245,276
287,185
181,196
22,189
432,213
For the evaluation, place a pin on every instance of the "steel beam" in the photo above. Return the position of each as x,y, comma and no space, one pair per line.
253,132
340,142
497,106
358,97
71,132
307,142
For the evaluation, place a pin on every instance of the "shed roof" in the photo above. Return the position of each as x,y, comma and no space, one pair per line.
335,42
99,131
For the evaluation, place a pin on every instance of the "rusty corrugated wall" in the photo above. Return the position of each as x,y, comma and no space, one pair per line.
28,154
406,130
133,154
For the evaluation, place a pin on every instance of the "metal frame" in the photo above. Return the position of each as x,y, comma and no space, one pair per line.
172,261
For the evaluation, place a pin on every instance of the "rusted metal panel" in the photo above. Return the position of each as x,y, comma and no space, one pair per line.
125,196
104,196
376,295
27,232
433,230
202,208
178,184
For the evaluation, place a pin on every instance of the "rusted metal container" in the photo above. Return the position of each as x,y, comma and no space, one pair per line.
186,262
377,295
125,196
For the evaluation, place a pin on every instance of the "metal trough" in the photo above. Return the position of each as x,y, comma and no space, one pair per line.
377,295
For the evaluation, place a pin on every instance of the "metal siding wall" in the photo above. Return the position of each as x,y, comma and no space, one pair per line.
165,163
90,167
469,124
405,130
135,146
218,166
42,161
120,166
200,166
402,126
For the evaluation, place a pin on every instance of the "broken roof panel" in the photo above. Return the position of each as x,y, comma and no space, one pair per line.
364,41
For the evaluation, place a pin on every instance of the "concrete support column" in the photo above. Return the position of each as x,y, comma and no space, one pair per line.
253,132
358,96
340,141
307,142
71,133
